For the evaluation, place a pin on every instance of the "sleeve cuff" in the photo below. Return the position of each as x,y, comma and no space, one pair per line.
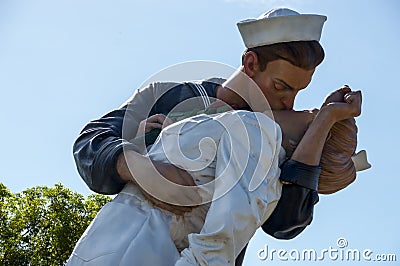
104,168
300,174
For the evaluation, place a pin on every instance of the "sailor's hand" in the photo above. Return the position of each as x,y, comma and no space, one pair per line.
154,121
165,185
179,196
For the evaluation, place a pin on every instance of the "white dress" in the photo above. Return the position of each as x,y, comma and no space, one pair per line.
234,158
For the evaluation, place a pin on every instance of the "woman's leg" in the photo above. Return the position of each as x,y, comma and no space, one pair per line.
126,231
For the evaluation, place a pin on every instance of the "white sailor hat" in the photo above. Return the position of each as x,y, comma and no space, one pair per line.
281,25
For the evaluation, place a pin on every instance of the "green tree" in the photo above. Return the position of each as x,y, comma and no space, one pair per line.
41,225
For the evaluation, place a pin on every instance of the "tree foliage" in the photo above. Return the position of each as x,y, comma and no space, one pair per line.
41,225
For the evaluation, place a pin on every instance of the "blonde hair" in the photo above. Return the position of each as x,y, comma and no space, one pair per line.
338,170
337,167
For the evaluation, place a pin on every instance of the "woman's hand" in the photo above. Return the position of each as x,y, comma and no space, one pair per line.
342,104
339,105
337,95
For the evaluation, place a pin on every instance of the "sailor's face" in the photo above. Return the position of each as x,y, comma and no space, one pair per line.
281,81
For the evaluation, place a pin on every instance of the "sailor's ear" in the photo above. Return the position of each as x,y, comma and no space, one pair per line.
250,63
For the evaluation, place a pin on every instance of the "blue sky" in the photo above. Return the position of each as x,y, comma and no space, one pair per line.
65,62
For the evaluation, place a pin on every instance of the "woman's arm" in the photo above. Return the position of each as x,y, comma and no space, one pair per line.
294,211
310,147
